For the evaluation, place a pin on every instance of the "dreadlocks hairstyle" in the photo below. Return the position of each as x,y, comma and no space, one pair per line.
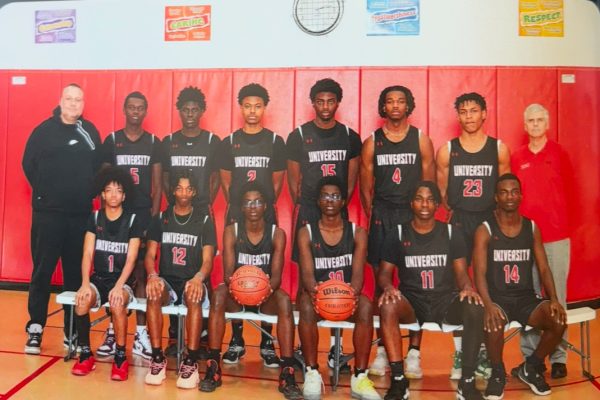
473,96
116,175
135,95
191,93
326,85
183,174
507,177
435,191
410,99
253,89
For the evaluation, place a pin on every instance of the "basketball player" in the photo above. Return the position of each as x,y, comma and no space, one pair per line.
393,159
252,154
333,248
137,152
467,170
506,247
111,244
253,241
187,245
319,148
196,150
434,287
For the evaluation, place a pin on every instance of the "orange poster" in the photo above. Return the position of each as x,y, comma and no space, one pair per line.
187,23
541,18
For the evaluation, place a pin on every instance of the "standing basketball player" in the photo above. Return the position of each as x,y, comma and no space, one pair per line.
187,243
434,287
253,241
60,160
137,152
506,247
393,159
252,154
467,170
319,148
334,248
111,244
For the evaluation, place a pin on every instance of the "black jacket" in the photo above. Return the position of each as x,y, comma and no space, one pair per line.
60,162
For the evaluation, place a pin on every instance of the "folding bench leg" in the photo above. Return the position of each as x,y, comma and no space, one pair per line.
586,355
335,376
72,350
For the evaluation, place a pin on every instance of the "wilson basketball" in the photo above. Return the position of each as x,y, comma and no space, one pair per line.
335,300
249,285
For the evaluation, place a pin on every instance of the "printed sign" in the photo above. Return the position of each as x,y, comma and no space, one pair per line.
55,26
541,18
393,17
187,23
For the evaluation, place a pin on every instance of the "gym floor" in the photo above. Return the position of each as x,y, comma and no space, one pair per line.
47,376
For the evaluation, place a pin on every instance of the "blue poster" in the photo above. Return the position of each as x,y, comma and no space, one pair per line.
393,17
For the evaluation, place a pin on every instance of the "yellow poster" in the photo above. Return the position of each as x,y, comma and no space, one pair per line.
541,18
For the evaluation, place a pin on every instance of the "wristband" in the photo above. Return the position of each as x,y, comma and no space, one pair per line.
153,275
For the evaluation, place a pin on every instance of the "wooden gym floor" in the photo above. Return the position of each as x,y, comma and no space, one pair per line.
47,376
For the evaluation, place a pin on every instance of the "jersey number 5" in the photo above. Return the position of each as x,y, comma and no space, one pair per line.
135,175
328,169
179,254
473,188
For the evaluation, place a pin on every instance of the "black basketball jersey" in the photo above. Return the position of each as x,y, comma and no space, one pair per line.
397,167
195,154
510,260
472,176
110,249
252,162
136,158
332,262
426,264
181,244
324,153
258,254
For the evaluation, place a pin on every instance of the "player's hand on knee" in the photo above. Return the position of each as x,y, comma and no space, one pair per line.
116,297
493,320
83,295
194,289
557,311
471,296
154,288
390,295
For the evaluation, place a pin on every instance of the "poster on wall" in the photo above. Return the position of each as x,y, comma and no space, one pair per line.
393,17
541,18
55,26
187,23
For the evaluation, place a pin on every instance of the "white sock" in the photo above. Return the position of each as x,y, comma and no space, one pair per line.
457,343
140,329
110,326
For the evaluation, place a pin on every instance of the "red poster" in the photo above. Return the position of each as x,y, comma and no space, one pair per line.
187,23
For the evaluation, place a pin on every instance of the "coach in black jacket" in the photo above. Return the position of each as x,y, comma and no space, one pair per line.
60,161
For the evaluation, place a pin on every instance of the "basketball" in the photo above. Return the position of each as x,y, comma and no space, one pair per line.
249,285
335,300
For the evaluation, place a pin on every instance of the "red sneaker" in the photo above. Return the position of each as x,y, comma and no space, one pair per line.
120,374
82,368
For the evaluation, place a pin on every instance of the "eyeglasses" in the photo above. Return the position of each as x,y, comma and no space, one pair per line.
330,196
253,203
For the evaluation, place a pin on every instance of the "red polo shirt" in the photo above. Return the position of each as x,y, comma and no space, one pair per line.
544,186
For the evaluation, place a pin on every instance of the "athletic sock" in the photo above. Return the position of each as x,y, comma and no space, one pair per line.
194,355
82,322
237,331
457,343
157,354
534,360
358,371
265,336
287,362
86,352
397,368
412,346
214,354
120,355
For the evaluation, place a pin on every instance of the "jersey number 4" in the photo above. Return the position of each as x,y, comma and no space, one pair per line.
427,279
511,275
179,254
397,176
328,169
473,188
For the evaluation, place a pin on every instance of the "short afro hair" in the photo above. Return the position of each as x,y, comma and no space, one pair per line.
410,99
191,93
135,95
333,180
326,85
435,191
253,89
117,175
507,177
473,96
252,186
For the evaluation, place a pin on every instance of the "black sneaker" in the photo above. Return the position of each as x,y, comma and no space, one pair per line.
288,386
171,349
536,382
267,353
515,371
495,386
344,366
34,339
559,370
212,379
235,351
398,389
466,389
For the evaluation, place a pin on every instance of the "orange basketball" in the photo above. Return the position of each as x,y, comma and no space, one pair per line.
249,285
335,300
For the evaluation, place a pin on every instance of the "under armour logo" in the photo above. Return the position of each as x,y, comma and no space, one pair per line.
72,142
308,141
406,243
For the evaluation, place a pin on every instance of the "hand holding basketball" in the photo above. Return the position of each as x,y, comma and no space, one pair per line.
335,300
250,286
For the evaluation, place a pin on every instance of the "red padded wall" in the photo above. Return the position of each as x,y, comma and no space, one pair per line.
4,79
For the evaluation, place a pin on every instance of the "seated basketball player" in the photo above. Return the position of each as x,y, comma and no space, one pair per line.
187,246
111,243
333,248
434,287
252,241
506,247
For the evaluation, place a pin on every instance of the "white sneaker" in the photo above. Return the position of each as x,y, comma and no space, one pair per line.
312,384
109,346
380,364
361,387
188,375
141,345
412,364
157,372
